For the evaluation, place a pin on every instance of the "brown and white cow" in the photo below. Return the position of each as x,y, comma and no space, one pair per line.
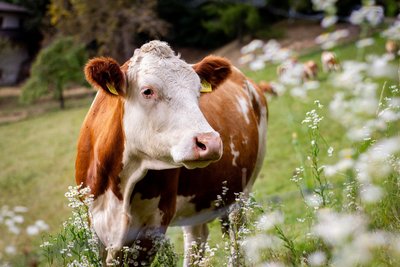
147,132
330,61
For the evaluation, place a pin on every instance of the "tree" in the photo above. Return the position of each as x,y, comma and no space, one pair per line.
56,66
232,19
112,28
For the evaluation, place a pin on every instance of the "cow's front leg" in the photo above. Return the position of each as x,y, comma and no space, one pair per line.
195,238
140,252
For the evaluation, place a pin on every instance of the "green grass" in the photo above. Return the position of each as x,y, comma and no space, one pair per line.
37,158
37,165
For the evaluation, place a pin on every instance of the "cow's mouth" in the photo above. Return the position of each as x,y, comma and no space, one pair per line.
192,164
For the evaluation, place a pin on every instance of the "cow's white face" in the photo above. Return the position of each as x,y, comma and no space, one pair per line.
162,121
162,117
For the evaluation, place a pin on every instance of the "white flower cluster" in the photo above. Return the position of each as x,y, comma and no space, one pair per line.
13,220
357,107
78,196
329,40
37,227
393,32
257,54
347,233
376,162
329,21
312,119
370,14
324,5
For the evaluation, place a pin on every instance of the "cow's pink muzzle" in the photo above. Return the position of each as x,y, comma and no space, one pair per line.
208,146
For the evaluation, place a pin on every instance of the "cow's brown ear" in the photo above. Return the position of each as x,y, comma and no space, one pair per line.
105,73
214,70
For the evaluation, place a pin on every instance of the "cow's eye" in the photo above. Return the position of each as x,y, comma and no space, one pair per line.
148,93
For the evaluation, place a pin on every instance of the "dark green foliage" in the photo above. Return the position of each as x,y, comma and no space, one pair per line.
232,20
55,67
210,24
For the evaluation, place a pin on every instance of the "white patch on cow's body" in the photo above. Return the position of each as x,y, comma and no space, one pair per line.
235,153
243,108
253,93
109,219
262,133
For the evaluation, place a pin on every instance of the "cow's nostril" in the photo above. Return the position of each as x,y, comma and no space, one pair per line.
200,145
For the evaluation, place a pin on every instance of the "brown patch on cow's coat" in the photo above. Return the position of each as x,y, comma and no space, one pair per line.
101,145
103,72
214,70
163,184
206,183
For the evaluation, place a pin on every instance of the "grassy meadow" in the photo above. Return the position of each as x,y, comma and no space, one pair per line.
37,163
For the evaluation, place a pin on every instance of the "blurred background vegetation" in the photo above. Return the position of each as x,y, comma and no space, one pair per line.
116,28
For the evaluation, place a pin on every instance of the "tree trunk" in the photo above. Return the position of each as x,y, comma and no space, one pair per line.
61,100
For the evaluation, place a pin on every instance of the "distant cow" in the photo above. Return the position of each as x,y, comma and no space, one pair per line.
149,128
310,70
329,61
391,47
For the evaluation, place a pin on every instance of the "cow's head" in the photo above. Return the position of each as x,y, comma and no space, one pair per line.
162,120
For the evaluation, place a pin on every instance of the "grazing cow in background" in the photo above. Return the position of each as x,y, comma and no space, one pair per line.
149,128
391,47
329,62
310,70
268,88
287,65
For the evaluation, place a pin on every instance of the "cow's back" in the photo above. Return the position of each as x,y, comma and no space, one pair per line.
237,110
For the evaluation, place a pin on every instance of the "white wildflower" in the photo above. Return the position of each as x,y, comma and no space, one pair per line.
269,220
313,200
335,228
324,5
20,209
257,64
298,92
32,230
18,219
329,21
352,74
365,42
272,264
393,32
311,85
312,119
46,244
10,249
330,151
252,46
375,162
254,245
372,15
380,66
318,103
317,258
370,193
41,225
329,40
246,59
